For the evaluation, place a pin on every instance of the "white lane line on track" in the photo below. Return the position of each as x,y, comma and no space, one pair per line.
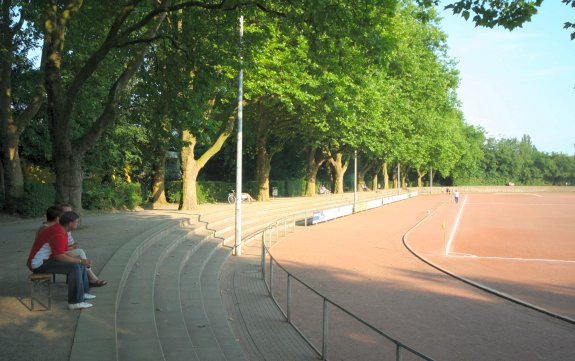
520,194
511,258
452,235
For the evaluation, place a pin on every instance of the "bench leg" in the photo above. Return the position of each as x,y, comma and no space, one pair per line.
33,288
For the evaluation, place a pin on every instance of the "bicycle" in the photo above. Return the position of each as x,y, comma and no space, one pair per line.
232,197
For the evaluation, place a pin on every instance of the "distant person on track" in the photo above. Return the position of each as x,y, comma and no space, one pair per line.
456,196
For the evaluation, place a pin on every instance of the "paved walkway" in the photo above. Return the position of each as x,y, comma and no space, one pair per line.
48,335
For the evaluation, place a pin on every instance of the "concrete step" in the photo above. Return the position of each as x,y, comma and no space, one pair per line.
193,307
95,337
136,328
162,300
214,307
172,331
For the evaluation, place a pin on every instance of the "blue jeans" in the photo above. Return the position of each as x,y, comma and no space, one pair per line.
77,277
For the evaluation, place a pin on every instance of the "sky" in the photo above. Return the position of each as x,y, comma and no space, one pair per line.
518,82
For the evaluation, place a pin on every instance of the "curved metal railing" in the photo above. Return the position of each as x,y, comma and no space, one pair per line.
271,235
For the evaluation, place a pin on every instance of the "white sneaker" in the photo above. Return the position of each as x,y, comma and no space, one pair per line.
79,306
88,296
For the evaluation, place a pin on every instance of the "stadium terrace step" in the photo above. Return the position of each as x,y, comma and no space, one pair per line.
95,337
136,325
172,331
163,300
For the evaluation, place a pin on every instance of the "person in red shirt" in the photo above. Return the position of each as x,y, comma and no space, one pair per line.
48,255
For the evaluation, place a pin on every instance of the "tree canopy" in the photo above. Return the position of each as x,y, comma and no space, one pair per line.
124,86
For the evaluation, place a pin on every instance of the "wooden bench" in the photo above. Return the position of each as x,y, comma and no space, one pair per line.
40,280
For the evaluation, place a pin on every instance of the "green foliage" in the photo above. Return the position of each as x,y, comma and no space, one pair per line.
106,196
510,160
37,197
206,191
340,77
216,191
213,191
289,187
508,14
174,191
131,194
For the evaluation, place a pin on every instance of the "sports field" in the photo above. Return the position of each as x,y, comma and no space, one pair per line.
519,245
522,245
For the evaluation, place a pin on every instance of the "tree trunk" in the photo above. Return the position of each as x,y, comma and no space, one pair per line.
420,175
313,166
69,180
68,153
340,164
404,177
263,157
13,176
192,167
158,178
11,126
160,143
374,181
2,188
363,171
263,168
385,176
190,171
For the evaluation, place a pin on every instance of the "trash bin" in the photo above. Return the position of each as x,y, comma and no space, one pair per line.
274,191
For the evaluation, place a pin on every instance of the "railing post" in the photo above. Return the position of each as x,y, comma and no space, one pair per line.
277,232
289,298
398,356
305,218
325,330
263,261
271,276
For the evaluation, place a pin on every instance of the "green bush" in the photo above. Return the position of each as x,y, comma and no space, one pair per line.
131,195
295,187
216,191
174,191
111,196
98,196
289,187
37,197
213,191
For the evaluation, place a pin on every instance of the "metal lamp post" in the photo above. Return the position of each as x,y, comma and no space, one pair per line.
238,234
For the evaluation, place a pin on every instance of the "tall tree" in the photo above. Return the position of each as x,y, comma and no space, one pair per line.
17,105
108,61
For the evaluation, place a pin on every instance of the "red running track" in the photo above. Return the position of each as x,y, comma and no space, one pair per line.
522,245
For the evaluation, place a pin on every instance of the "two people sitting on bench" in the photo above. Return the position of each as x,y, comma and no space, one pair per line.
323,190
49,255
52,215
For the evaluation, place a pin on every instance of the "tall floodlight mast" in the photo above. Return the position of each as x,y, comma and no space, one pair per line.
238,241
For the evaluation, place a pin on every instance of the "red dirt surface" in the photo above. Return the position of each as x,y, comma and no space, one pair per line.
522,245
